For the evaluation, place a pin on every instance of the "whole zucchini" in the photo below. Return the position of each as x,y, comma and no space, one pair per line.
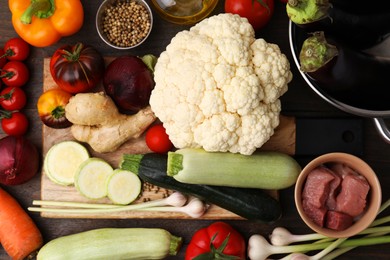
261,170
112,243
253,204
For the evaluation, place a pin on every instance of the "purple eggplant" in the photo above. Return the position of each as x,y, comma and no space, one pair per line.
358,30
353,77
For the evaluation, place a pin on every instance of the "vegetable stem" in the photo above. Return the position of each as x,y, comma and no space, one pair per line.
5,114
176,163
131,162
316,52
365,241
307,11
84,208
73,204
38,8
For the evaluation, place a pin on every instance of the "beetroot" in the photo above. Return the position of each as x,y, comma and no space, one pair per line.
129,82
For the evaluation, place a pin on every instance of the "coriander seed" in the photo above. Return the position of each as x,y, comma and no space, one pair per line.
126,23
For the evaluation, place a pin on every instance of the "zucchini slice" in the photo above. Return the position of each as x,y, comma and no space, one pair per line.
63,160
123,187
91,178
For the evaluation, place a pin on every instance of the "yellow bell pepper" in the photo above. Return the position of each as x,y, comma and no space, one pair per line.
43,22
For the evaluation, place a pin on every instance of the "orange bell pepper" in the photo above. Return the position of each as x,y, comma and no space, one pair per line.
43,22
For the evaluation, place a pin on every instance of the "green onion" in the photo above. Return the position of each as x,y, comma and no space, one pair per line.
176,202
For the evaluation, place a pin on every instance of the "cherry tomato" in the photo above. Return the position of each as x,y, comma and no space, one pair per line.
15,124
217,241
16,49
258,12
77,68
12,98
157,139
51,108
3,59
15,74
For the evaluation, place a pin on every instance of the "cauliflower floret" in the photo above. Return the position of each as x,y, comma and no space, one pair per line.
272,68
217,87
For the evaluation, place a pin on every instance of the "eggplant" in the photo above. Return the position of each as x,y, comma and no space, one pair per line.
358,30
350,76
362,6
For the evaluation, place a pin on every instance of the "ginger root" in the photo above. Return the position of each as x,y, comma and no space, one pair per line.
97,121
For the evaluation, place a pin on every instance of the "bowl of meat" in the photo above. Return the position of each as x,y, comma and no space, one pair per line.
338,195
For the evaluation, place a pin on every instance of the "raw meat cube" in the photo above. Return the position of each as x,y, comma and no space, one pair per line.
337,220
317,186
352,197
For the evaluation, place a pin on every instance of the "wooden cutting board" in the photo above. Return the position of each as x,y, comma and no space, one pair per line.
283,140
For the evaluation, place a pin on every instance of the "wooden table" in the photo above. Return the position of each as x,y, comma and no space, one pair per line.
299,101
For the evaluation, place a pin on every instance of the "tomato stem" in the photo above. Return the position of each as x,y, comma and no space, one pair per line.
8,53
5,114
58,112
75,54
7,96
38,8
217,253
6,74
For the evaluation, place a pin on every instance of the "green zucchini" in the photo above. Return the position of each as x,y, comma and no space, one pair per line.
112,243
261,170
253,204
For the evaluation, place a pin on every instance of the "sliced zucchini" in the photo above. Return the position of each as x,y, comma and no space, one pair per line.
123,187
63,160
92,176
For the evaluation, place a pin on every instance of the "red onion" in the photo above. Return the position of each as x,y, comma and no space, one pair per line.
19,160
129,82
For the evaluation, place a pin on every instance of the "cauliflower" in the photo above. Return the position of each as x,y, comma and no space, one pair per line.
217,87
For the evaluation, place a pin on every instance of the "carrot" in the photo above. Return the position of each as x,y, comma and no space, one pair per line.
19,235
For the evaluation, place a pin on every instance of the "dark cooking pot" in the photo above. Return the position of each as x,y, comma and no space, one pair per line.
296,38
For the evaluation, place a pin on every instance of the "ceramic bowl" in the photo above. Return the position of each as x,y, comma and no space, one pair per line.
100,23
373,202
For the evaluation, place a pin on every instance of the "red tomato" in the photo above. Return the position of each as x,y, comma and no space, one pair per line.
17,49
157,139
15,124
209,242
77,68
3,59
12,98
258,12
15,74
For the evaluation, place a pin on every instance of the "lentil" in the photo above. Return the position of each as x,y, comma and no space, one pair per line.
126,23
